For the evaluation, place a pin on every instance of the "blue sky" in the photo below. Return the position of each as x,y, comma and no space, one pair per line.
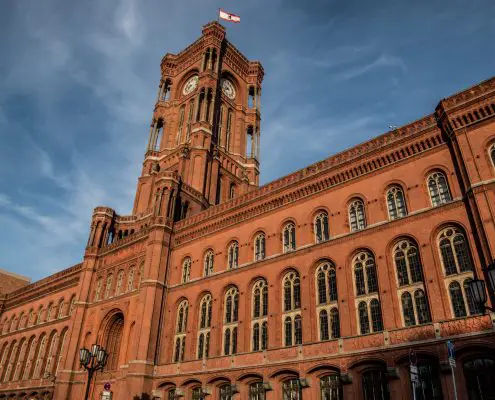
78,81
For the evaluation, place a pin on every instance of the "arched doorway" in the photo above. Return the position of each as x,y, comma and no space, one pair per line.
479,373
111,339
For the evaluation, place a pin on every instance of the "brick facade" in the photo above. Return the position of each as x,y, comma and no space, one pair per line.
319,283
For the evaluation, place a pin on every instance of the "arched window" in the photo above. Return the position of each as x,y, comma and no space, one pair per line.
208,263
186,270
108,287
259,247
365,277
40,356
292,291
438,188
479,373
180,330
357,220
291,389
130,279
457,299
39,318
260,313
197,393
120,281
321,227
473,307
232,191
48,312
407,263
396,203
324,335
113,341
204,326
331,387
492,154
326,282
180,128
98,286
231,306
60,312
233,255
289,237
454,250
228,132
374,385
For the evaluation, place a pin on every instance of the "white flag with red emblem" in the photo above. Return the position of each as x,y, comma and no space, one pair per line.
229,17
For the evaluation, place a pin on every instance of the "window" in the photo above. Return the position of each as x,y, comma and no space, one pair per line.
331,387
180,331
408,309
189,121
204,326
429,386
326,280
171,394
289,237
454,250
439,189
186,270
407,263
72,305
374,385
259,247
396,203
492,154
181,124
228,129
457,300
364,311
292,291
422,308
197,393
479,373
357,220
108,287
99,284
208,263
365,273
232,191
233,255
60,312
291,389
226,392
472,306
130,279
49,312
260,313
231,305
120,280
321,227
256,391
329,324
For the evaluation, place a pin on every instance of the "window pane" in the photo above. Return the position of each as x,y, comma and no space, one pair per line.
265,300
332,284
428,387
408,309
359,276
256,391
264,335
323,325
374,385
256,337
371,276
422,308
400,263
297,294
448,257
291,390
298,329
335,323
457,300
376,316
331,388
226,349
414,265
322,290
462,253
472,306
364,322
288,331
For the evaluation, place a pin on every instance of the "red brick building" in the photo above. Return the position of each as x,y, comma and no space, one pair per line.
315,286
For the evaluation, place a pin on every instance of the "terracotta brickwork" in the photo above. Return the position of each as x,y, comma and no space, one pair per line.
316,286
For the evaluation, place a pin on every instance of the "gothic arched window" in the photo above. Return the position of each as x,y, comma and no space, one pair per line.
98,286
396,203
186,270
326,282
407,263
454,250
321,227
180,330
231,307
367,309
233,255
60,313
365,277
108,287
204,326
113,341
208,263
289,237
130,279
357,219
180,128
120,281
260,314
259,246
438,188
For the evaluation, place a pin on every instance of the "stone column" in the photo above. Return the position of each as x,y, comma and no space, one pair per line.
212,108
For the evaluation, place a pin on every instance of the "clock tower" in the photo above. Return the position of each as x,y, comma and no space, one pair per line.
203,146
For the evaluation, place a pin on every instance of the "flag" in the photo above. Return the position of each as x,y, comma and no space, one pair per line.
229,17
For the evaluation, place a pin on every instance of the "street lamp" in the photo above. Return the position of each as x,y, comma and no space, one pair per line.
477,288
92,361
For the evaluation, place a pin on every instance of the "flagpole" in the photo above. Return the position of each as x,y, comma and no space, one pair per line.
218,16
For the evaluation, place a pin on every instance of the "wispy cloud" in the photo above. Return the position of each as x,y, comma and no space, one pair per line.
383,61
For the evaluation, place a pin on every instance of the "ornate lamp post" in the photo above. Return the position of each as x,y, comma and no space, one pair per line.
92,361
478,289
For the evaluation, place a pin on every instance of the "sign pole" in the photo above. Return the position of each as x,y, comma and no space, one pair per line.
451,351
413,369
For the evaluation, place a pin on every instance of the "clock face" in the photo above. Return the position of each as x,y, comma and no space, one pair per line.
190,86
228,89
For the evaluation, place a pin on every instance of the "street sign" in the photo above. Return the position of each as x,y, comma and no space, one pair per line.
451,352
107,386
451,349
414,373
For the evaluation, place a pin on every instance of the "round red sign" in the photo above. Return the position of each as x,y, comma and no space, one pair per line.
107,386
